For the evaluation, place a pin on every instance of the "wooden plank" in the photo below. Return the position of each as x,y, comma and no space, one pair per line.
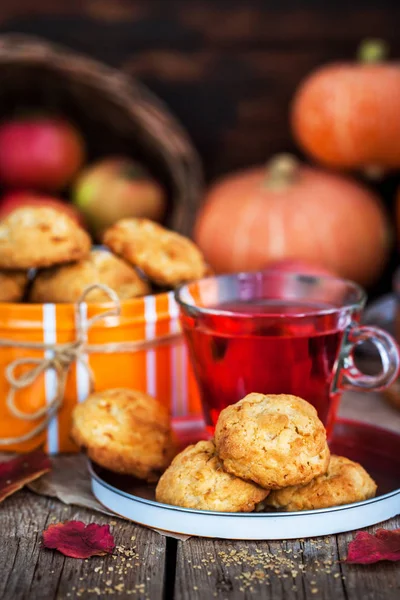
380,581
219,22
303,569
262,23
30,572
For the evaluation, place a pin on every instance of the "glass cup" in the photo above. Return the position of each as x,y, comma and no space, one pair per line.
279,333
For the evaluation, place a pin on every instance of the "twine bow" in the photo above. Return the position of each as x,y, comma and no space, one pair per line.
59,358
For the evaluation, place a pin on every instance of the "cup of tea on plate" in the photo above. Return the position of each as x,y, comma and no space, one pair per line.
279,333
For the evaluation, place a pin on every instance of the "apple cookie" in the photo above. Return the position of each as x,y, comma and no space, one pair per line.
12,285
273,440
196,479
165,257
67,283
125,431
344,482
40,237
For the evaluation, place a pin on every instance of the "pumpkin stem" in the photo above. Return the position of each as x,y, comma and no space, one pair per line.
373,51
282,171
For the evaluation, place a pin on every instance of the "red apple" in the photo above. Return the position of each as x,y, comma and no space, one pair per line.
115,188
13,200
41,153
291,265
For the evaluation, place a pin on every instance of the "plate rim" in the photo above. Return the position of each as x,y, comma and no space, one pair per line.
193,511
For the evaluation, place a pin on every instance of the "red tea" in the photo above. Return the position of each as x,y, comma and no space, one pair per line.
263,346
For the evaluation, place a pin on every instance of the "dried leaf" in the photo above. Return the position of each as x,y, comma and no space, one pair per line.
369,548
15,473
77,540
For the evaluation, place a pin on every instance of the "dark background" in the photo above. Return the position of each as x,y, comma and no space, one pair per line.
227,69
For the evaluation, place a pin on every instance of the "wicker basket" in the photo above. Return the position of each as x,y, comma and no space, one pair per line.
115,114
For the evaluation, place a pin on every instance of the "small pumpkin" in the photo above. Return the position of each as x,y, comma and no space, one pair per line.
347,115
292,211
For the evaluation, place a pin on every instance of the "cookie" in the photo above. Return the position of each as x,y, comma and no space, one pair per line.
66,283
196,479
274,441
40,237
12,285
125,431
165,257
344,482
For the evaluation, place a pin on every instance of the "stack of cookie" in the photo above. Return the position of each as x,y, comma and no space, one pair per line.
268,451
143,255
35,238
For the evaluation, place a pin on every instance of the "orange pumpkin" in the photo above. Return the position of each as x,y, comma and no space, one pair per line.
347,115
292,211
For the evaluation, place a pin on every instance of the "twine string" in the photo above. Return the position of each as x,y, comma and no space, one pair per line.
60,359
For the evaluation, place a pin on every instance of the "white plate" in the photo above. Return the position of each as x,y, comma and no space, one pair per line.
377,449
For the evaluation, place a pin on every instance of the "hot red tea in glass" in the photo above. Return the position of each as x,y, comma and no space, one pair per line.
279,333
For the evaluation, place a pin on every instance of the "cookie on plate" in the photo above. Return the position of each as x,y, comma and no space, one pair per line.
165,257
196,479
344,482
125,431
40,237
274,441
66,283
12,285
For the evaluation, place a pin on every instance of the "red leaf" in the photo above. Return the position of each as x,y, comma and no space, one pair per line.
15,473
369,548
75,539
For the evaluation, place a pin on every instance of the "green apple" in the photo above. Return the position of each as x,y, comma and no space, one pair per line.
115,188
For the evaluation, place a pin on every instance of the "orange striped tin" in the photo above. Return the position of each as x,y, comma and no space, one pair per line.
162,370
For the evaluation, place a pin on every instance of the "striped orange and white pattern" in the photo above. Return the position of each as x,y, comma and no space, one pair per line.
160,370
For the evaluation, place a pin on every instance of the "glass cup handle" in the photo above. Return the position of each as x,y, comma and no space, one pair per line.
351,377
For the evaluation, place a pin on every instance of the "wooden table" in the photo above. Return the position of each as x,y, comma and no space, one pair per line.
164,568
